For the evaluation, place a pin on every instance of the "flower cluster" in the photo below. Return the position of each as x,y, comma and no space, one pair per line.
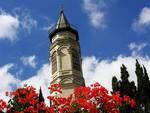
55,88
3,105
94,99
25,100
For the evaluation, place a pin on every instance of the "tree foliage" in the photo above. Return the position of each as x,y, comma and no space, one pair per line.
140,93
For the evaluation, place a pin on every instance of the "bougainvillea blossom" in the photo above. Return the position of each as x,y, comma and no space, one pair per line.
94,99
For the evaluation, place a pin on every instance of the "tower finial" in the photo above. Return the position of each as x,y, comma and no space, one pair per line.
61,8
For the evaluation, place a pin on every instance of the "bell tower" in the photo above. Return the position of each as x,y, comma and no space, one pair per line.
65,56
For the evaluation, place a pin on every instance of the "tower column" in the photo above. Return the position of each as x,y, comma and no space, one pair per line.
70,57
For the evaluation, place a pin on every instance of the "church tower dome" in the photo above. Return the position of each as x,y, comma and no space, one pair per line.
65,56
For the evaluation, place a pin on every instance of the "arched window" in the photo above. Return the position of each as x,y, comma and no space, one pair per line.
75,60
54,62
65,62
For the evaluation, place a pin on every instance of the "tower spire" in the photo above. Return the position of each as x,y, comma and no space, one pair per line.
62,25
62,20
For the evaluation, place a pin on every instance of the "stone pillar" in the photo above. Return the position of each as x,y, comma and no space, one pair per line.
70,57
58,62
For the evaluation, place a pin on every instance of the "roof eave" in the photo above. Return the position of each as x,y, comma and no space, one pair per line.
55,31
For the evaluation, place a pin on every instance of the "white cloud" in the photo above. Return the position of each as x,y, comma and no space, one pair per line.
136,48
143,20
29,60
28,22
9,26
102,71
95,12
7,80
42,78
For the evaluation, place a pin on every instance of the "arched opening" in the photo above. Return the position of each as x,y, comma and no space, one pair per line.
54,62
65,59
75,60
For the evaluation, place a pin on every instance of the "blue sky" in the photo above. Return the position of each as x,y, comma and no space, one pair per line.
111,32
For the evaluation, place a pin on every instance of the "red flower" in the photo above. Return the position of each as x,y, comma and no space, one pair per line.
3,105
55,88
84,99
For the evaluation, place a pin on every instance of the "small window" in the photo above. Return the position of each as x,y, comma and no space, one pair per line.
76,60
54,62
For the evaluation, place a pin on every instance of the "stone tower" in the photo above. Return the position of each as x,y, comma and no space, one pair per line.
65,56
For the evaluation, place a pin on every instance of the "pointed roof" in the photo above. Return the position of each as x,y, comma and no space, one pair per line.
62,21
62,25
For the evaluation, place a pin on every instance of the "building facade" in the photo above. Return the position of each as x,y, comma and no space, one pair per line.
65,56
